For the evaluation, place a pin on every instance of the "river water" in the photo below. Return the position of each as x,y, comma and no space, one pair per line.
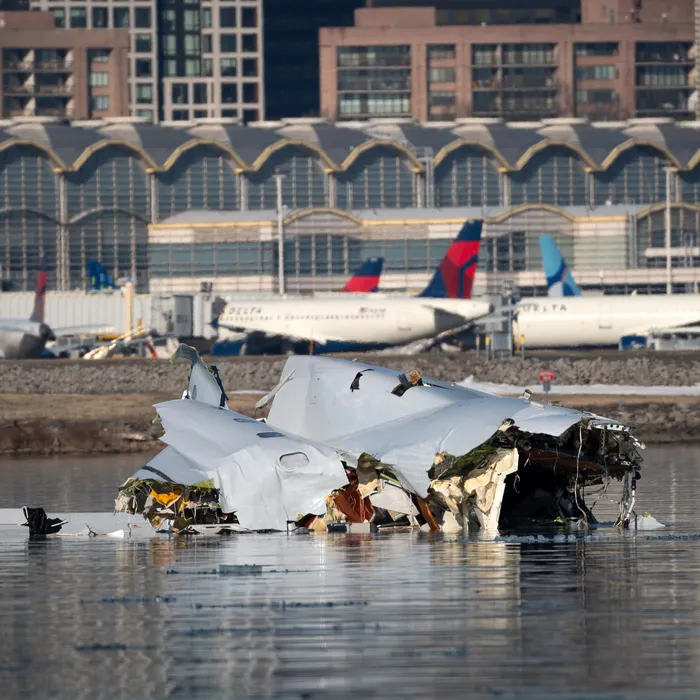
607,616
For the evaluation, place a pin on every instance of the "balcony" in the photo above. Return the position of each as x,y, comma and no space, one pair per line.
23,66
52,90
60,66
18,89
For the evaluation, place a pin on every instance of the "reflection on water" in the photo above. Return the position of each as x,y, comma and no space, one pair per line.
359,616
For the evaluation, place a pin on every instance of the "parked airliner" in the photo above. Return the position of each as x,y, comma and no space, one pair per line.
598,321
357,322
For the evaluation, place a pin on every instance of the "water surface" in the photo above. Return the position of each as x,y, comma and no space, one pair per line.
608,616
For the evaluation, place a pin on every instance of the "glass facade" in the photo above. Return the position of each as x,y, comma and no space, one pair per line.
102,209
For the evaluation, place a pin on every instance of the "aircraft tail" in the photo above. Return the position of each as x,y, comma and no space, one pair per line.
454,277
40,296
560,281
99,277
366,278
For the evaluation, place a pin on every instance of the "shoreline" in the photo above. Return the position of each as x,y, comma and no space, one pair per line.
59,424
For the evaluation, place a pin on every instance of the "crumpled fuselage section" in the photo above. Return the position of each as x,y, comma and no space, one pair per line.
351,446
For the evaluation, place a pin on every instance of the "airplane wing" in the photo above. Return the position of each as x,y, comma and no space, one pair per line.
293,337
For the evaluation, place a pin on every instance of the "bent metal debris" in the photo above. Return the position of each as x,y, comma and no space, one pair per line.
348,446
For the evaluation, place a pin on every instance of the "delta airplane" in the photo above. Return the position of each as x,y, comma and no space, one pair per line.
560,281
24,339
365,322
573,320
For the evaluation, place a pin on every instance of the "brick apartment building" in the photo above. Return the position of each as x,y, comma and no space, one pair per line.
77,74
530,59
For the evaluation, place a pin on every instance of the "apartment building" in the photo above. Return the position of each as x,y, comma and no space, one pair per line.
73,74
534,59
188,59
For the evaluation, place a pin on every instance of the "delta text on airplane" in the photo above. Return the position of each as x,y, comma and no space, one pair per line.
366,322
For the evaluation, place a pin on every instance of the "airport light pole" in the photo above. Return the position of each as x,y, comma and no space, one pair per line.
667,238
280,232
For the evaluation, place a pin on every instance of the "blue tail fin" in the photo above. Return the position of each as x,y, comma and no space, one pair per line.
560,281
98,277
454,277
366,278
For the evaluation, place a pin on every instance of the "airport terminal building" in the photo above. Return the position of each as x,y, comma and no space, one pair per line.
182,205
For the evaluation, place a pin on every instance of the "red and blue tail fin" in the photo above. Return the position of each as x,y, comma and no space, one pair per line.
454,277
40,296
366,278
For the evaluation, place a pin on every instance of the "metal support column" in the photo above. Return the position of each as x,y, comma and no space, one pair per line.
280,233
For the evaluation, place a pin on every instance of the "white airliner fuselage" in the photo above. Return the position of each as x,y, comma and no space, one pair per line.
356,322
600,321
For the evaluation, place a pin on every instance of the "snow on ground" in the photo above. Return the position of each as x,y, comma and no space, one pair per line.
590,389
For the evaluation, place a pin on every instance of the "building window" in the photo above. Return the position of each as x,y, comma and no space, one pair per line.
229,93
170,67
537,54
193,66
144,93
98,55
597,49
374,104
142,43
181,115
59,18
142,17
596,73
249,17
200,114
228,67
250,115
588,97
100,18
250,92
99,103
229,113
206,18
228,43
441,105
374,79
250,43
208,67
78,18
207,43
191,18
227,17
663,52
351,56
170,45
485,54
179,93
250,67
441,52
121,17
192,44
98,79
145,114
169,21
663,76
199,94
143,68
441,75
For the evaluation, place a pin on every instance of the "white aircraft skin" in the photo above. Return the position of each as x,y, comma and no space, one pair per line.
21,338
350,323
600,321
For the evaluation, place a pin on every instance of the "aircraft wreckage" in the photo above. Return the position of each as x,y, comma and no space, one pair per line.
348,446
